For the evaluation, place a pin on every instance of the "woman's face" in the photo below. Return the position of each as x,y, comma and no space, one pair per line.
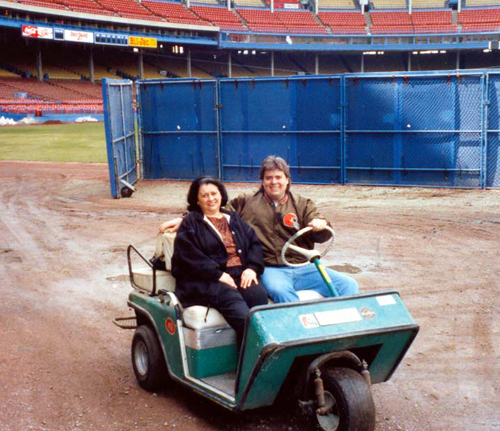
209,199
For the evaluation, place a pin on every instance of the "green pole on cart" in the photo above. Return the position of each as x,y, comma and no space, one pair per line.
325,277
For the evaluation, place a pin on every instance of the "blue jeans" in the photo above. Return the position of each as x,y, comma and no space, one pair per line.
283,282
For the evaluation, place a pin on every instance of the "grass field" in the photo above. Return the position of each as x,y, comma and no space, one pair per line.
73,142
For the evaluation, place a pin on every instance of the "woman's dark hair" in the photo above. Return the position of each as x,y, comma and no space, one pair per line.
192,197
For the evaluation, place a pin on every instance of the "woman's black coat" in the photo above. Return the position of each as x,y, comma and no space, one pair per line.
200,256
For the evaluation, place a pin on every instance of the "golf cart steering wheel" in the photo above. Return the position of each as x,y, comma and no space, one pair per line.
308,254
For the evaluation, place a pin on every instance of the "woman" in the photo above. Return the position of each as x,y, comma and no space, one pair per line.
217,257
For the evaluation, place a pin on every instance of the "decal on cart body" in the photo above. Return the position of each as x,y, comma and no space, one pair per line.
386,300
334,317
367,313
170,326
309,321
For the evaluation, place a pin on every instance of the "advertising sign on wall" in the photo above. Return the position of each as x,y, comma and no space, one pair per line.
143,42
38,32
78,36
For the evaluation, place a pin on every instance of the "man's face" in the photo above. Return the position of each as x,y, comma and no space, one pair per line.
275,183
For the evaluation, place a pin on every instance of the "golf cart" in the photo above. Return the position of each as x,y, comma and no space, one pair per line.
327,351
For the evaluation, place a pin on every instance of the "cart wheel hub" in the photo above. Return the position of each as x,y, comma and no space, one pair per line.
141,358
326,416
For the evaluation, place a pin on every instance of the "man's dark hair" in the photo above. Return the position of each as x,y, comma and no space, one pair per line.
274,162
192,197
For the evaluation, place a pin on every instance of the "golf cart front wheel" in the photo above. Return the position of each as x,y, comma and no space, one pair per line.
147,359
351,399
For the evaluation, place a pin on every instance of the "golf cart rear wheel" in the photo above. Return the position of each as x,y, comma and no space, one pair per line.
353,407
147,359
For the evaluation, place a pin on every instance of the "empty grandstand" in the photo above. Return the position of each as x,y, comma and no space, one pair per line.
56,52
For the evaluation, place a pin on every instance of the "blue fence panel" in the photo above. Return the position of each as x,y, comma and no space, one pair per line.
179,133
414,130
298,119
492,156
119,124
418,129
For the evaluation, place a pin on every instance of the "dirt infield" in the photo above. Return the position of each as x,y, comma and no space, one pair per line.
66,367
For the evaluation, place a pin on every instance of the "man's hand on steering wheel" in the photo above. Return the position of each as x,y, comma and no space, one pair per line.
318,224
309,255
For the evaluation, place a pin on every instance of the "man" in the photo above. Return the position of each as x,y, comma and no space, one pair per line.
275,213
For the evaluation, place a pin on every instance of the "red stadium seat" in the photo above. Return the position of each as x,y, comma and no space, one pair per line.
220,17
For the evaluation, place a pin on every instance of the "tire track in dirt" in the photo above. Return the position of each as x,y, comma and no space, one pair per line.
66,367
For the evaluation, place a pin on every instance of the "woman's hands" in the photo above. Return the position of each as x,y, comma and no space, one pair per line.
227,279
248,276
171,225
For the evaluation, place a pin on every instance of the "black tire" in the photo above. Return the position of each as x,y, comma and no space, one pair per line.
354,409
147,359
126,192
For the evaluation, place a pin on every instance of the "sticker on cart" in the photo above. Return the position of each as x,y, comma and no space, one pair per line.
386,300
309,321
334,317
170,326
367,313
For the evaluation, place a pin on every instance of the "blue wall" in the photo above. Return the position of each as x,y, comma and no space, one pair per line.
411,129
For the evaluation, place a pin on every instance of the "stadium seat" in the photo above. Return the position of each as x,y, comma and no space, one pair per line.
337,4
428,4
249,3
389,4
344,22
475,20
174,12
219,16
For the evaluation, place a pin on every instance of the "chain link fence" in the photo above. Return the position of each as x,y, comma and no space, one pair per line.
437,129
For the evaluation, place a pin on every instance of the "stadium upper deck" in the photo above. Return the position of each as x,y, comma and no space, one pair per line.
292,17
318,27
284,37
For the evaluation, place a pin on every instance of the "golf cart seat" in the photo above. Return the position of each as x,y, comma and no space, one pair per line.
197,316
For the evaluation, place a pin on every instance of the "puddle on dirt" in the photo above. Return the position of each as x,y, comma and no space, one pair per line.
346,267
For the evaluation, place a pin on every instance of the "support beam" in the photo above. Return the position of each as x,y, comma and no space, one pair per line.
91,66
272,63
316,64
39,68
229,66
141,64
457,66
189,62
409,61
